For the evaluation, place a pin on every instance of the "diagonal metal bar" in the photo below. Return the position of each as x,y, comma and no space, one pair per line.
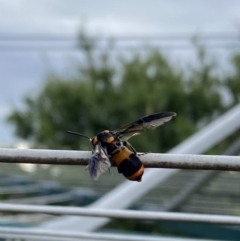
203,177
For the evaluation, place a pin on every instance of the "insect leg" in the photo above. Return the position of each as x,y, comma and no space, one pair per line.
127,144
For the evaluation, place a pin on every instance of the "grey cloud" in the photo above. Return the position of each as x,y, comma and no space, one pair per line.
24,73
60,15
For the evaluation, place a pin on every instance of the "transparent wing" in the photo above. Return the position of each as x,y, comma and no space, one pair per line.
99,162
145,123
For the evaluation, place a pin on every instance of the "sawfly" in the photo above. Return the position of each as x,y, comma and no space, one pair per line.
113,147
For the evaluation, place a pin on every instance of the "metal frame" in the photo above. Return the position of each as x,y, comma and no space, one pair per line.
122,214
128,192
150,160
42,234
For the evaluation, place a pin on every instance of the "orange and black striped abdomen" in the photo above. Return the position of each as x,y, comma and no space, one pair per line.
128,164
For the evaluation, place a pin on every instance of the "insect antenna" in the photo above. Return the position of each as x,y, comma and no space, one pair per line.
79,134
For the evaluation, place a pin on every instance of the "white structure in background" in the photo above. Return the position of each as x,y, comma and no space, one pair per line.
17,145
128,192
25,166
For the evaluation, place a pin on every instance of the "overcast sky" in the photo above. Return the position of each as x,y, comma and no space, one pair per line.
22,72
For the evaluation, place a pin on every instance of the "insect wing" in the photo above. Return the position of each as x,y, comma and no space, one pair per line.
145,123
99,162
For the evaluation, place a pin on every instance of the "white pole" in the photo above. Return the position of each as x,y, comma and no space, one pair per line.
123,214
150,160
33,232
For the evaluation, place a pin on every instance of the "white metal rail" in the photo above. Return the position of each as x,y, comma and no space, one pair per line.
151,160
123,214
40,234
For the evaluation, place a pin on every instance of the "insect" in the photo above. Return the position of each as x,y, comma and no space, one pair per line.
113,147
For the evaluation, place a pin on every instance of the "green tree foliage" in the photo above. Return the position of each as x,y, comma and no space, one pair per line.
109,93
233,81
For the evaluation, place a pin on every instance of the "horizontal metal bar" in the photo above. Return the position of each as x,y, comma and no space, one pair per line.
35,237
153,160
18,232
123,214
